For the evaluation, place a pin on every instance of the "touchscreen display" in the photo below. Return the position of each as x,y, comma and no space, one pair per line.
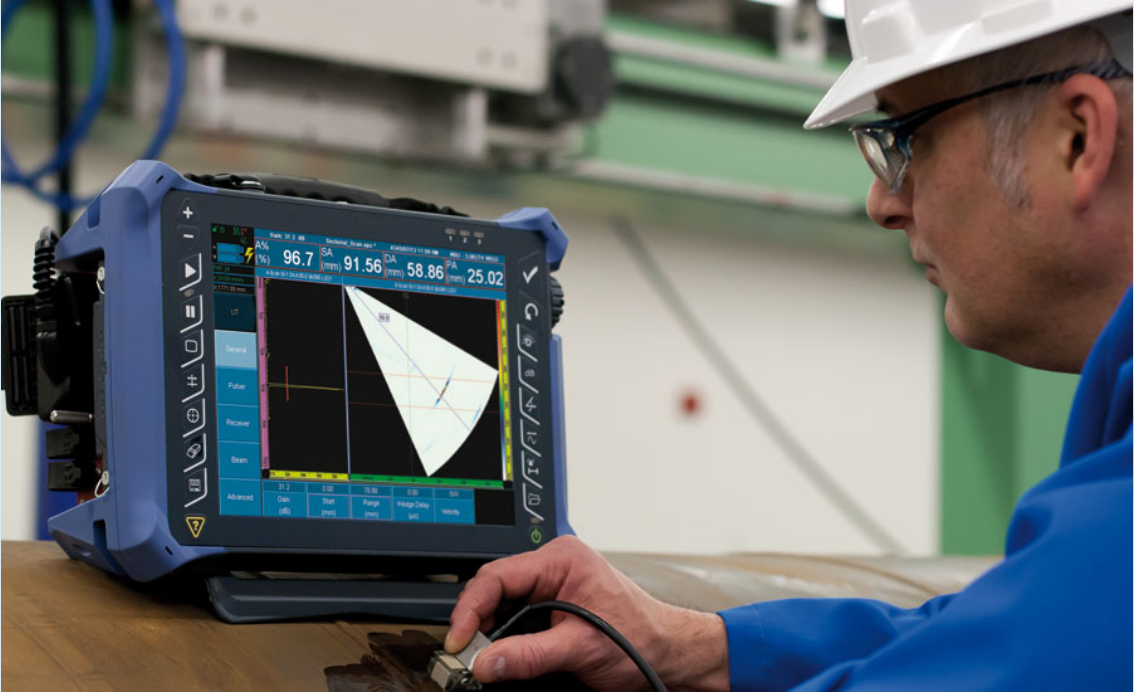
360,381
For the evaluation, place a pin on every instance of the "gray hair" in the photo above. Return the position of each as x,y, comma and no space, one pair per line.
1007,114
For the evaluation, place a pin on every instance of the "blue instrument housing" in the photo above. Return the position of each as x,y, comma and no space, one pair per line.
132,528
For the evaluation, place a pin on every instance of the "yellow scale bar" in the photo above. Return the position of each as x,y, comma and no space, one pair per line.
505,389
315,475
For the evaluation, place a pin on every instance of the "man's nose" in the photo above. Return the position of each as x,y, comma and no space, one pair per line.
886,210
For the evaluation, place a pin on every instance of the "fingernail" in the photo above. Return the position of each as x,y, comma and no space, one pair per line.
449,642
496,669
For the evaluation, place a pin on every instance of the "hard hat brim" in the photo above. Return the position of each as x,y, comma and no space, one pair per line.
852,94
854,91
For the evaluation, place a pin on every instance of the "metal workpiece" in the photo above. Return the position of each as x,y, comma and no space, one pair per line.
712,583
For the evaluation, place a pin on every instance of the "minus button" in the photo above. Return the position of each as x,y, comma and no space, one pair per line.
189,236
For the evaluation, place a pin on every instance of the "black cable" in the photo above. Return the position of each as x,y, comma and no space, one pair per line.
62,17
43,281
46,326
598,623
748,396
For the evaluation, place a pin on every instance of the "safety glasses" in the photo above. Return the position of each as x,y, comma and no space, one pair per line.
887,144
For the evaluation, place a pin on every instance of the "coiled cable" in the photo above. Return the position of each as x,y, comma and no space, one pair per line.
601,625
96,94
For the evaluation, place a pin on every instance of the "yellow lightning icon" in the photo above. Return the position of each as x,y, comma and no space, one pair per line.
248,255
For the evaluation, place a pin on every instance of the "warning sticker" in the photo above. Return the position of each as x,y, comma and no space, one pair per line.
195,523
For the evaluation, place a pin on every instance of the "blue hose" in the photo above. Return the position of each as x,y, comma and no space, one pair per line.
96,93
175,49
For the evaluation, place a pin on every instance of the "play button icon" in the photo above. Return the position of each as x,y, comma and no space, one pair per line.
191,271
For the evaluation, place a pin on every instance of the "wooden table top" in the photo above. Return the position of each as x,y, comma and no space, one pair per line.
68,626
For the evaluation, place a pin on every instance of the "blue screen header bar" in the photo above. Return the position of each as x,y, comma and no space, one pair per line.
327,259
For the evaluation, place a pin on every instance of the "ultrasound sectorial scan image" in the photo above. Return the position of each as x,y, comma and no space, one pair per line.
403,384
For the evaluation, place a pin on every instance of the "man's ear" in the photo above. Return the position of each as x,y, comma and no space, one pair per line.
1090,133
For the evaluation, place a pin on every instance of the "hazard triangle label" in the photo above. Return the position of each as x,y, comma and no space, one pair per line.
196,523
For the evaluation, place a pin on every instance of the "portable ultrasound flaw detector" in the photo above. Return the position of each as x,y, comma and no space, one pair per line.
315,398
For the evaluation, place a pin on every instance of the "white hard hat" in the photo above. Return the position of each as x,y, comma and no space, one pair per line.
891,40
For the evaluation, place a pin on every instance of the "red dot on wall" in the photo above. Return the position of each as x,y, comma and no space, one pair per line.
690,403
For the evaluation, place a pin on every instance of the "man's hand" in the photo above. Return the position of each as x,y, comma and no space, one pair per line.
688,649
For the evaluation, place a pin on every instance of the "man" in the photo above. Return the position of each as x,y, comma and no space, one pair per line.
1006,160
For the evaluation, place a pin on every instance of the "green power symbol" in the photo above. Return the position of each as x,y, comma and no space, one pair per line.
536,535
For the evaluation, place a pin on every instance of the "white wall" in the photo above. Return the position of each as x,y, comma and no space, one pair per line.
840,340
20,221
842,348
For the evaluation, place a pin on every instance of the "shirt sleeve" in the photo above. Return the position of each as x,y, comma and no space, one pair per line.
1054,615
779,644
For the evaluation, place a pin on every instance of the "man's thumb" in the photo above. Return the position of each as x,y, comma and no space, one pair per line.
523,657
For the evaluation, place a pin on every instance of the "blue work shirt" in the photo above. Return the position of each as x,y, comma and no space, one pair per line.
1055,614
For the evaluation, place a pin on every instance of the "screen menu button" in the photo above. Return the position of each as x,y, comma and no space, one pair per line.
328,506
285,504
373,508
240,497
414,509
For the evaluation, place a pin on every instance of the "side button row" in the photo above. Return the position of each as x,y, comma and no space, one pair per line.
191,345
527,395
